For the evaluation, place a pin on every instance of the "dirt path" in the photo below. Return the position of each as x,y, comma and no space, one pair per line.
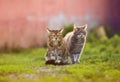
40,72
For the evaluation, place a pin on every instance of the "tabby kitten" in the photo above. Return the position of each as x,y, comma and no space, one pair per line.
57,52
75,41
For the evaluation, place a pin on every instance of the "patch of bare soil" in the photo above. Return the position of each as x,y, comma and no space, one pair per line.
39,73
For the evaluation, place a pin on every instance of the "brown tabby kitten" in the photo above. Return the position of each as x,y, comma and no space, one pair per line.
57,52
75,41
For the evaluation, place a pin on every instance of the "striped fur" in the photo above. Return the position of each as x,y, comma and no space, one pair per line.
75,42
57,51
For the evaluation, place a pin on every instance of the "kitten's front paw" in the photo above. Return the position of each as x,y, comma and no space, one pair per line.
57,61
50,62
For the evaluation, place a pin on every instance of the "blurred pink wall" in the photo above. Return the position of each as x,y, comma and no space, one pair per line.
23,22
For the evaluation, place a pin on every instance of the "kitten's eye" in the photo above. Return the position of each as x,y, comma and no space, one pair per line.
58,39
51,36
53,39
78,29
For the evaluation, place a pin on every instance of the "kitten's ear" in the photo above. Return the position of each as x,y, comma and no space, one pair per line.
84,26
48,30
74,26
61,30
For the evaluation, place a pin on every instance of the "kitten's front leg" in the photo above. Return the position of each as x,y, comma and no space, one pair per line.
73,58
49,58
78,58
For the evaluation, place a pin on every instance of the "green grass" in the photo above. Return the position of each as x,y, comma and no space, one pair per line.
100,62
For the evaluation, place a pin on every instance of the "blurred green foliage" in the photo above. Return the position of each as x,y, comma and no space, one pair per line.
67,28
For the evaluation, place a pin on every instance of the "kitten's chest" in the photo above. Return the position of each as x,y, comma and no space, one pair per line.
76,45
58,49
77,42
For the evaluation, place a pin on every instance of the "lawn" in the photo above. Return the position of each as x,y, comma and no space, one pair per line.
100,62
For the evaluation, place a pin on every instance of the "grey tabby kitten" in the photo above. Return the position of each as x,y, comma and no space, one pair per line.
75,41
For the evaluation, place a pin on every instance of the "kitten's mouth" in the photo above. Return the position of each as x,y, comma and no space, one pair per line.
55,44
83,36
80,36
